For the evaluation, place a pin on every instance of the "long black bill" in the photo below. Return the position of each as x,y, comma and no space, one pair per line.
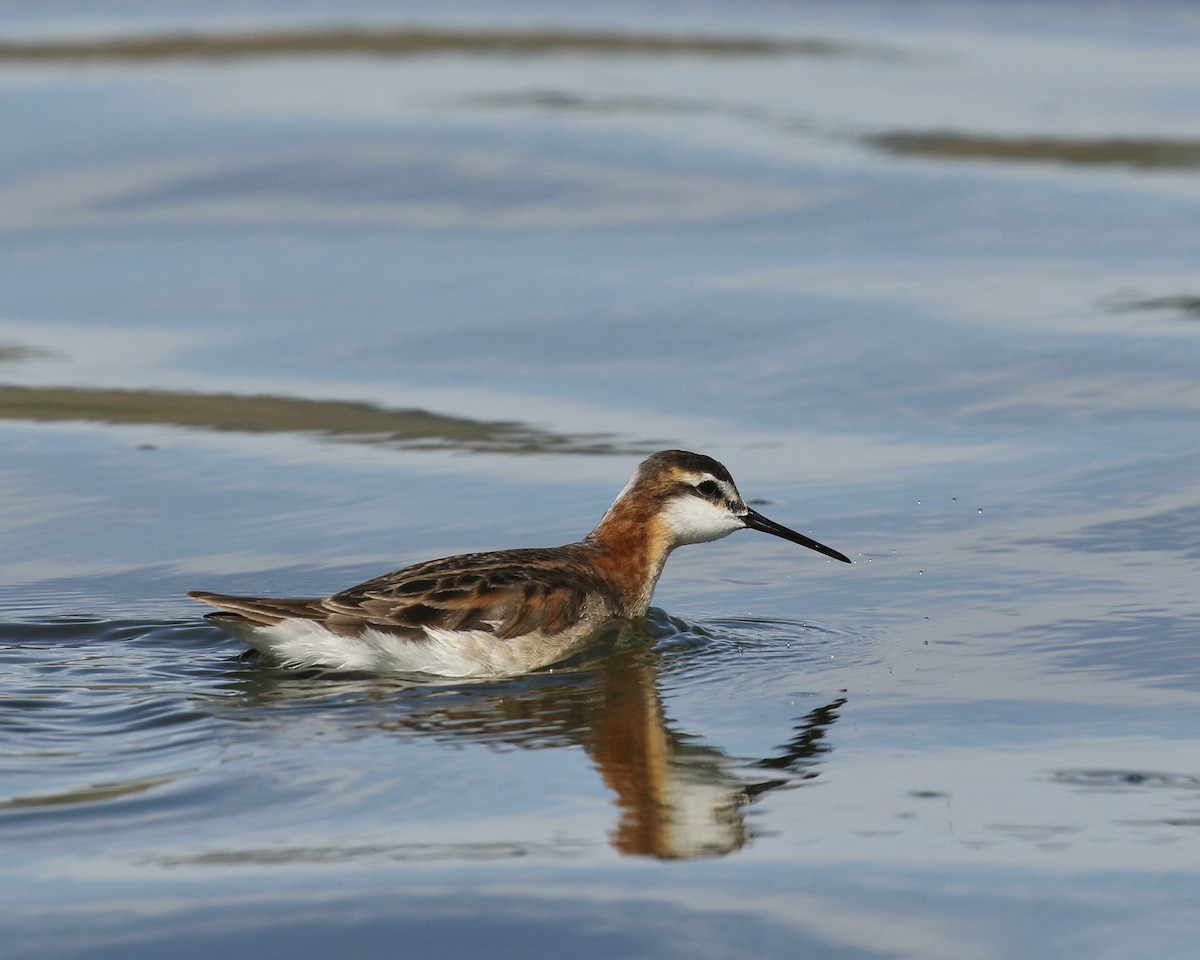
756,521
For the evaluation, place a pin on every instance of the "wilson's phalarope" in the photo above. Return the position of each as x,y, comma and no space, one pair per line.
511,611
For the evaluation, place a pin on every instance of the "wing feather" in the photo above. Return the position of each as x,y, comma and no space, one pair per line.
507,595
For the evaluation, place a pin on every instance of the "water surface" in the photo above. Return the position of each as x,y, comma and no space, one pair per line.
304,296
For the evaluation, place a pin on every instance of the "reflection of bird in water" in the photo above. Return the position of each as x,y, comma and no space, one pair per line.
680,797
513,611
677,796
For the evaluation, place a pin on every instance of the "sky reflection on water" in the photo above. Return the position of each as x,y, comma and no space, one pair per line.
928,290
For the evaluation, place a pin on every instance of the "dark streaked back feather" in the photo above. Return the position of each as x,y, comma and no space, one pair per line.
506,594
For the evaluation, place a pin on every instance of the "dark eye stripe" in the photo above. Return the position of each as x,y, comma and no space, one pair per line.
708,488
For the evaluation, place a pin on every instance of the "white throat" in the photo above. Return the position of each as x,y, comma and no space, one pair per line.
693,520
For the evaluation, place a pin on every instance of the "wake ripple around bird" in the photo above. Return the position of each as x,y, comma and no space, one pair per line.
762,651
98,710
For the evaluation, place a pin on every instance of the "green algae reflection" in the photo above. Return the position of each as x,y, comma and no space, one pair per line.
338,419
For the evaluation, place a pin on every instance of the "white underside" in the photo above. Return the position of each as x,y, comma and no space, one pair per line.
445,653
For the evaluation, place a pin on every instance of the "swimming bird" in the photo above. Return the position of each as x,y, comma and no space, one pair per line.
508,612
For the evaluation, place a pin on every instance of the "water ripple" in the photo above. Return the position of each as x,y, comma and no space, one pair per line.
1126,780
761,651
98,710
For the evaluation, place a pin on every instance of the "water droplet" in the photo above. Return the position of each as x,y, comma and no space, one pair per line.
954,499
920,573
918,503
981,510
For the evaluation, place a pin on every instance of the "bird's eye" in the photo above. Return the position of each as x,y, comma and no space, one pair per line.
708,488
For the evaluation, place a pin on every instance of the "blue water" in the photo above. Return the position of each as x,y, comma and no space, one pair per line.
974,374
